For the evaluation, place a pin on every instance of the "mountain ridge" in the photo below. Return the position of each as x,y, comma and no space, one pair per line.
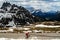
19,14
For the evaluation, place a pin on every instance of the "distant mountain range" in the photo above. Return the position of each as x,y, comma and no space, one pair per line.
51,15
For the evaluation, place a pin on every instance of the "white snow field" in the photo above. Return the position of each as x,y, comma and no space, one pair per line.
41,25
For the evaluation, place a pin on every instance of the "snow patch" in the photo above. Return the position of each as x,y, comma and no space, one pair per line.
41,25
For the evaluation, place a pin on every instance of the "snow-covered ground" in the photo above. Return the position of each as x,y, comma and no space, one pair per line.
9,15
41,25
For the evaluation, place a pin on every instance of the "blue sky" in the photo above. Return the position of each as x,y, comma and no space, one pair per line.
44,5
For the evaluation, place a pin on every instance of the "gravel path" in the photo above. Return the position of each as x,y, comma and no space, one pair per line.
33,36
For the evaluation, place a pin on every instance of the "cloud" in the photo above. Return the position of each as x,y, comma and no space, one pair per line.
40,5
45,5
51,0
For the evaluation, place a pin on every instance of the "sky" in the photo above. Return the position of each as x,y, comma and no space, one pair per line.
44,5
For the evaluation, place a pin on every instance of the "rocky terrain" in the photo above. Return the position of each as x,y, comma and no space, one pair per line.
16,14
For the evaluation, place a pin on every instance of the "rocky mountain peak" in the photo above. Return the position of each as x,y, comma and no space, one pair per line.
21,15
5,4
